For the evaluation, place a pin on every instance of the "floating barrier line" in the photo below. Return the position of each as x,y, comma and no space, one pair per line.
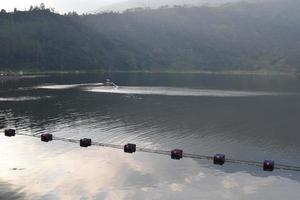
164,152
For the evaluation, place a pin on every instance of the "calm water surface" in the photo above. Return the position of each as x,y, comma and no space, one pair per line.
245,117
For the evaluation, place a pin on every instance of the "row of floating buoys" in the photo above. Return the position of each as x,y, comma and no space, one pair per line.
177,154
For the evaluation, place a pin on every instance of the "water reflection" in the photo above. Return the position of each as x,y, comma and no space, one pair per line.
252,128
10,192
65,171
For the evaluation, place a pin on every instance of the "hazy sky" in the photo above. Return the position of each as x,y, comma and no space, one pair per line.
59,5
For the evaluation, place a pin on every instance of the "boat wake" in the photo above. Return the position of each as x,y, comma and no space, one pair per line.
173,91
68,86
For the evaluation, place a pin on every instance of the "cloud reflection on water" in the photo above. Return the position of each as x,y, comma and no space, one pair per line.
101,173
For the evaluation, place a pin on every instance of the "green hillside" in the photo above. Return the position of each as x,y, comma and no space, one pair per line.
237,36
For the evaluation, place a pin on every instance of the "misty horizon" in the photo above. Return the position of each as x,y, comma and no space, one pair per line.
93,6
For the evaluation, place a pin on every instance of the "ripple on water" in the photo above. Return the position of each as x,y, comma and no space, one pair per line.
24,98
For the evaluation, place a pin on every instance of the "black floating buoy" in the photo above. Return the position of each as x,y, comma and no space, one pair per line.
219,159
10,132
46,137
129,148
85,142
176,154
268,165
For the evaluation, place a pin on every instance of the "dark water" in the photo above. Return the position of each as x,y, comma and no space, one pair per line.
245,117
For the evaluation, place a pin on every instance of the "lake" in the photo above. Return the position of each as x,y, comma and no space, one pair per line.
249,117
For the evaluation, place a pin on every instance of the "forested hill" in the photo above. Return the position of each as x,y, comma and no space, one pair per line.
238,36
124,5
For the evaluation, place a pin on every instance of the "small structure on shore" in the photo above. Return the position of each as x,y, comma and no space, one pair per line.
9,76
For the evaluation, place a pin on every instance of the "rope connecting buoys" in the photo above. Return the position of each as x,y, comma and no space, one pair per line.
177,154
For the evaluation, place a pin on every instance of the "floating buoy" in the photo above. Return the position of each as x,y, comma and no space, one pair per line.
129,148
268,165
10,132
176,154
219,159
85,142
46,137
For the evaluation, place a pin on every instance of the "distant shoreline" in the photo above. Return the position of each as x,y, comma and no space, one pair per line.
233,72
228,72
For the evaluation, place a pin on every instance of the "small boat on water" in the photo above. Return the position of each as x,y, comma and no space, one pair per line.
108,82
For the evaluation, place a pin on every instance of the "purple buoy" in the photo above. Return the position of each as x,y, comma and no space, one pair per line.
219,159
177,154
130,148
46,137
268,165
85,142
10,132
